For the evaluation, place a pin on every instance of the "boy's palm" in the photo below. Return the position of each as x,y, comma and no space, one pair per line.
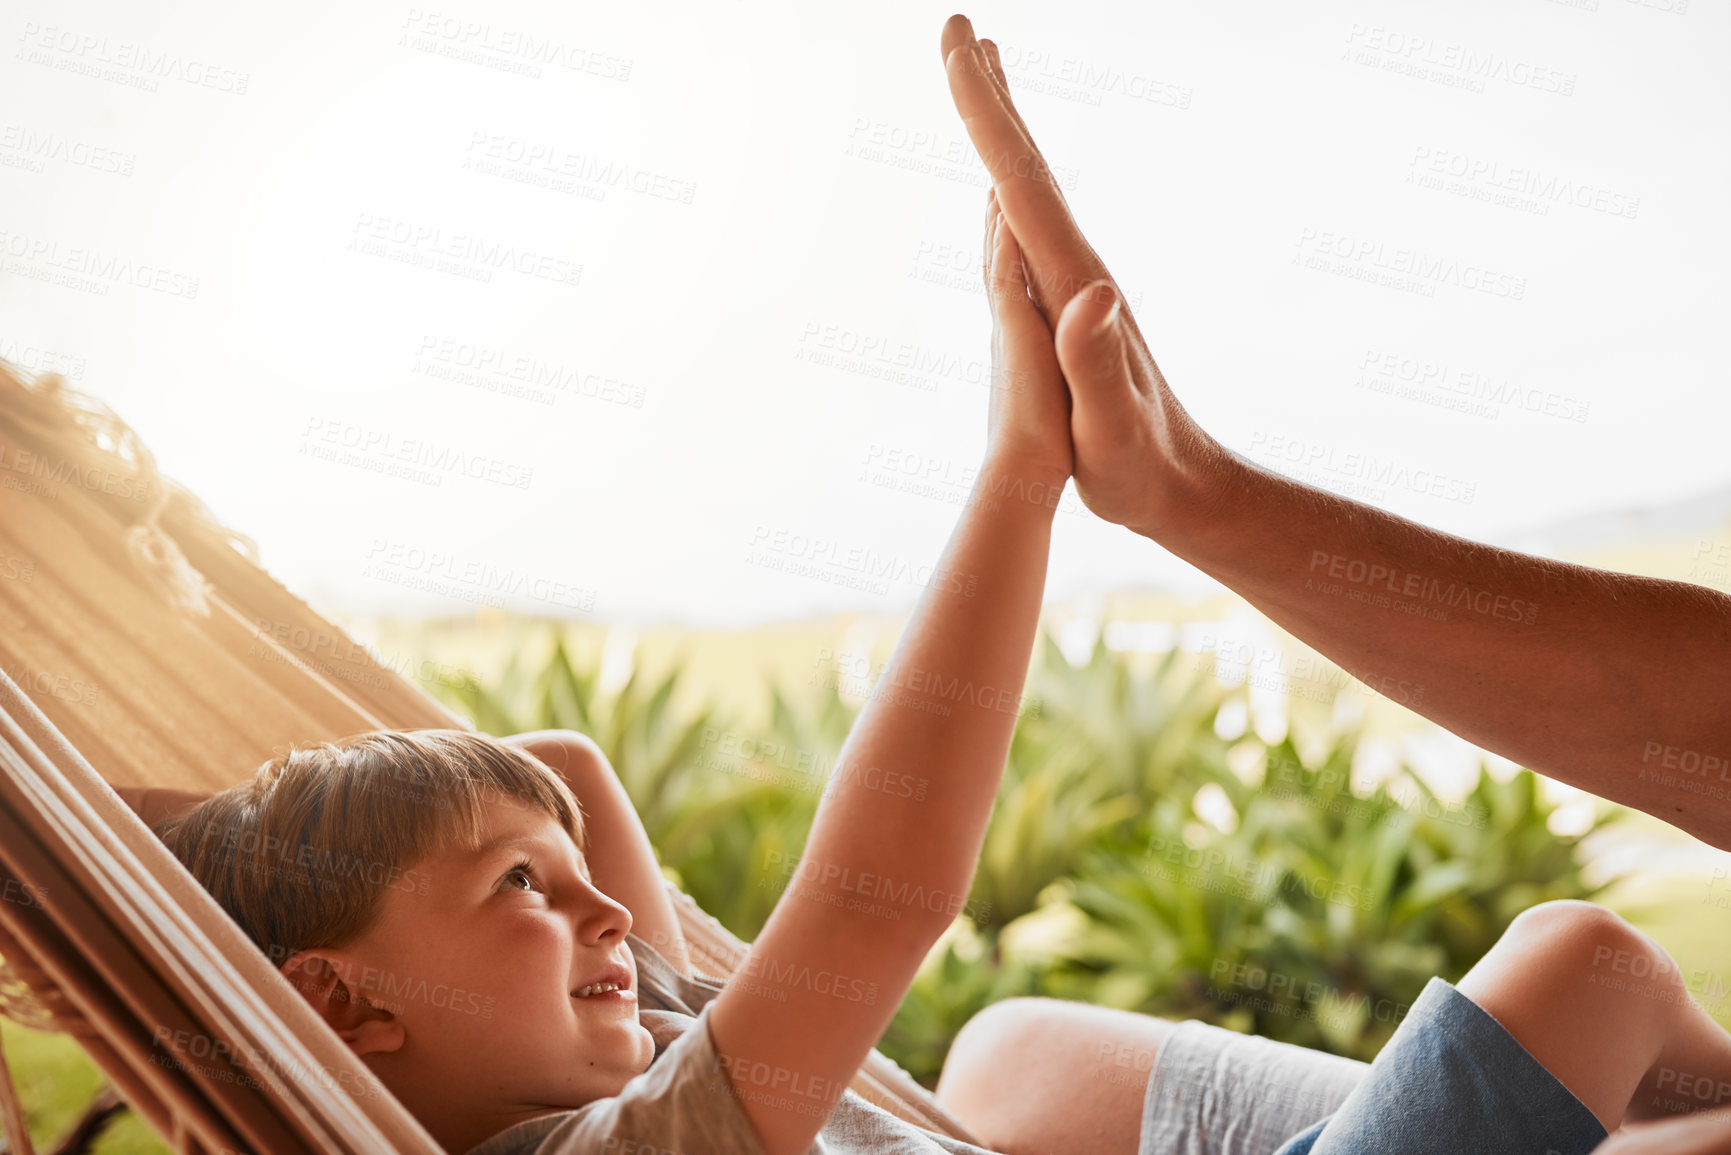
1028,420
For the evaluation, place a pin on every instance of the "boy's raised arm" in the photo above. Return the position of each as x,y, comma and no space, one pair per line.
892,850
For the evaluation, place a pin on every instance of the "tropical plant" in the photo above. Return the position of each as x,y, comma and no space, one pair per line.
1289,905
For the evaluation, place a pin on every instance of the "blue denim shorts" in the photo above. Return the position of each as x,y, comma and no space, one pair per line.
1452,1080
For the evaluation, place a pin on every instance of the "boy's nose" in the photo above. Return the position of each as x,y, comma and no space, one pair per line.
598,915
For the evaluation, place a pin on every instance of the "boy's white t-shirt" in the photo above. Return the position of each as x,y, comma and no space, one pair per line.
684,1103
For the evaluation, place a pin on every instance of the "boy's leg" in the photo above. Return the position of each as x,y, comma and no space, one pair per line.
1040,1076
1606,1011
1034,1074
1570,1024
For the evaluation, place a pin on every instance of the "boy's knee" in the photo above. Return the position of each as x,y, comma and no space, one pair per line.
1589,939
1003,1026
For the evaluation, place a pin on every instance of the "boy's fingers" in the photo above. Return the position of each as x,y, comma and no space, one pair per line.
1059,255
1007,276
985,245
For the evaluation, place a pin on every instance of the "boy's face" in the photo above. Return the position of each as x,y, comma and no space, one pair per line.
481,972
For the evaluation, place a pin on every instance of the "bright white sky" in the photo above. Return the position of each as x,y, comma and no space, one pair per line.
793,179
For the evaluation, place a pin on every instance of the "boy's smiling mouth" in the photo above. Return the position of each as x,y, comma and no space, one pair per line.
610,992
612,985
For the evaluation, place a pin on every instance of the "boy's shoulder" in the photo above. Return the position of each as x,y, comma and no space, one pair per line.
684,1102
660,987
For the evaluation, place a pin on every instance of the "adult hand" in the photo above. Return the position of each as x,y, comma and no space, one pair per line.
1706,1133
1140,460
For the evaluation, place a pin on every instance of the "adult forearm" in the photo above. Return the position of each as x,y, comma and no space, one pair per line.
1609,681
905,811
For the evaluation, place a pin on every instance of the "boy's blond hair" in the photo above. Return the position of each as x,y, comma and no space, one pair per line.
301,855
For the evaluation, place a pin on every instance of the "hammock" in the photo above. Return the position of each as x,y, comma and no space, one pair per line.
141,645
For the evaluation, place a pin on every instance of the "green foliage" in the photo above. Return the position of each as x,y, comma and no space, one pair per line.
1135,858
1313,915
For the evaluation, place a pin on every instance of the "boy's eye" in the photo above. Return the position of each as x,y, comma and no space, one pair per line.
519,878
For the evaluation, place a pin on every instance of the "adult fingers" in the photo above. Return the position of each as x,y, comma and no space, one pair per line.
1061,258
997,64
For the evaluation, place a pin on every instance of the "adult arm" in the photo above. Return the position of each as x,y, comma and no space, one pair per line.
1608,681
1707,1133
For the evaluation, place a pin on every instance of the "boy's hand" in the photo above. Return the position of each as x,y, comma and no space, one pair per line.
1139,460
1028,421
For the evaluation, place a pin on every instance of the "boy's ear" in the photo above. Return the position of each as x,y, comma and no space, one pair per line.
322,977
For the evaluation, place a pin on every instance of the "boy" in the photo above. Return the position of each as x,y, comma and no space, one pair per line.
446,864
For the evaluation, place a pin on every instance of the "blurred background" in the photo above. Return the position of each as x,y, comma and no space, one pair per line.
619,368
